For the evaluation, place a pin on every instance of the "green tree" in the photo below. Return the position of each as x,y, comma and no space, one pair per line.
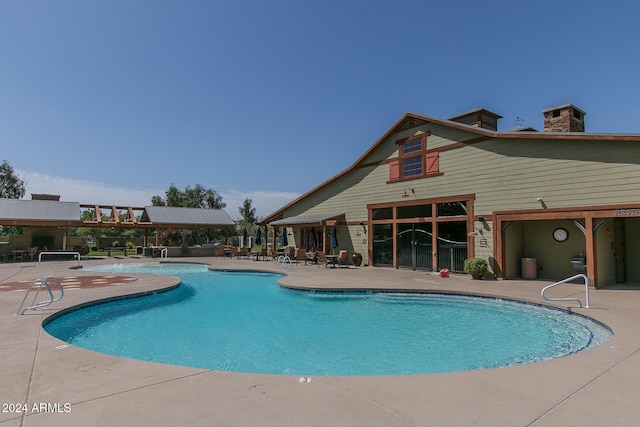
196,197
11,186
248,212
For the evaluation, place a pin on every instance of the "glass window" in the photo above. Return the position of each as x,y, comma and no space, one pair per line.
452,209
382,213
412,146
416,211
412,166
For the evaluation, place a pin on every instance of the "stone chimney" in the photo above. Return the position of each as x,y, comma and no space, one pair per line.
52,197
564,118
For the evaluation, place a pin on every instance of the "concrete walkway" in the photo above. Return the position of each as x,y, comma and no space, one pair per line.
45,382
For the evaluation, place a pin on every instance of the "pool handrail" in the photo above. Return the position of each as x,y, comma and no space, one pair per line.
568,279
41,282
58,253
284,262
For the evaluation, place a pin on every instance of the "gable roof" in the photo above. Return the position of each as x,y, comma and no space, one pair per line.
477,134
39,210
165,215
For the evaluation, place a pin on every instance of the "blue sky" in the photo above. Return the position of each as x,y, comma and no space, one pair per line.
112,101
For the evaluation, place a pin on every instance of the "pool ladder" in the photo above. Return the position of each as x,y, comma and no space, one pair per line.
40,283
284,262
568,279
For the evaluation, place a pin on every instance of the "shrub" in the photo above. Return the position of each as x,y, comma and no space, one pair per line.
476,267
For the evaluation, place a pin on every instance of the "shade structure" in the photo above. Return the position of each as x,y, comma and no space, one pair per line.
259,236
245,238
334,237
283,239
312,238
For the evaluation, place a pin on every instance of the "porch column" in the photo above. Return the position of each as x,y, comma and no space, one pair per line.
498,245
434,240
590,243
324,238
68,241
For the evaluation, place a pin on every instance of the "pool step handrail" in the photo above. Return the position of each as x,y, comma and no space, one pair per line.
44,282
284,262
74,253
568,279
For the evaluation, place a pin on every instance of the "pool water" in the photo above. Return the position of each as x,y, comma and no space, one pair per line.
245,322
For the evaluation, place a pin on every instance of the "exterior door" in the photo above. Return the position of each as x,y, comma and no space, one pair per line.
414,246
452,245
382,245
620,251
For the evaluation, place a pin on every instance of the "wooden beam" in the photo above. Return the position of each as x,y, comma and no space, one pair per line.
590,243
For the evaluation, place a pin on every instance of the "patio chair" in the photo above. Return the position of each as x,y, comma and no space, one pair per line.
343,258
269,255
300,255
322,259
33,252
311,257
242,253
220,251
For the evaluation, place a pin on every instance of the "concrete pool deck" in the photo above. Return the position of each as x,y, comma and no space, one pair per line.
62,385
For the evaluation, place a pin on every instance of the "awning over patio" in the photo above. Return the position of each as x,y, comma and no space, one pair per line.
308,220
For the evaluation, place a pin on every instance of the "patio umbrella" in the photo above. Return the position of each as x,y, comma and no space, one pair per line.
334,237
259,236
245,238
283,238
312,238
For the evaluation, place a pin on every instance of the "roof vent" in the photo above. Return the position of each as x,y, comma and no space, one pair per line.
479,118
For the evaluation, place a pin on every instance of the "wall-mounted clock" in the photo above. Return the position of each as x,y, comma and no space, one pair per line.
560,234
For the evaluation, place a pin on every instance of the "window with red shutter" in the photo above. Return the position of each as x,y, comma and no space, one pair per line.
413,159
394,170
433,163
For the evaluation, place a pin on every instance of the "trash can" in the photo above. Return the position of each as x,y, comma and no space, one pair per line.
529,268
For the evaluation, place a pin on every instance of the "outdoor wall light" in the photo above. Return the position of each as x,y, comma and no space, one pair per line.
405,194
544,205
364,227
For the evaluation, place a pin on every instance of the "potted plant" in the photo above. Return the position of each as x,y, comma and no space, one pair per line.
476,267
356,258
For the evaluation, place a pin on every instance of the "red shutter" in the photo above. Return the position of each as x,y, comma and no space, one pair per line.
394,170
433,163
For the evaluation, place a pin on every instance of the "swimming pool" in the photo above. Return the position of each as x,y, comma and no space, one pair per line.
245,322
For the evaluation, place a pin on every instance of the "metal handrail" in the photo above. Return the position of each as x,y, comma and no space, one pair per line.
58,253
285,261
41,282
577,276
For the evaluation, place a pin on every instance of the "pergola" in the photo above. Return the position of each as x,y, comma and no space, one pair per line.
48,213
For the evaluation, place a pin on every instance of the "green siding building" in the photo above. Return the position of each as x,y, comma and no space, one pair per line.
432,192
